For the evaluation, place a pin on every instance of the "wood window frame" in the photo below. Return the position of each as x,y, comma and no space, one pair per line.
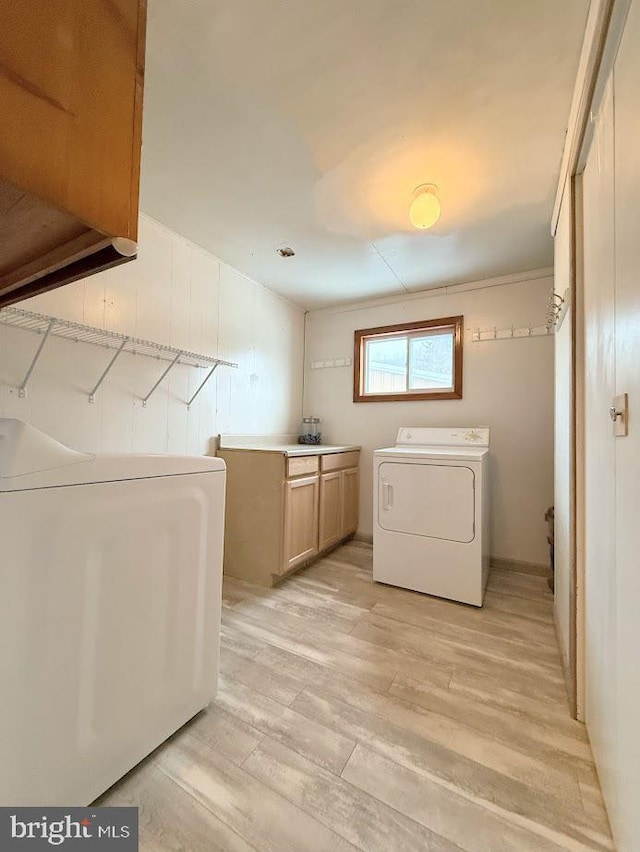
455,324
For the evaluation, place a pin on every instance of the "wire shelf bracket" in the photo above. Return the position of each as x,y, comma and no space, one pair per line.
160,380
22,390
50,326
107,370
209,374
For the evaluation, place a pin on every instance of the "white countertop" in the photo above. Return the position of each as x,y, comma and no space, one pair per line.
295,449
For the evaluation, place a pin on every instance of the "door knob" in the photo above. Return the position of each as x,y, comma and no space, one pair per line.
619,414
615,413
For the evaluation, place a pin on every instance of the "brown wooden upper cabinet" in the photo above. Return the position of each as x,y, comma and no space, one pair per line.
71,81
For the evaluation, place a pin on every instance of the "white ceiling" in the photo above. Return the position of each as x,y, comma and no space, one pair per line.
308,123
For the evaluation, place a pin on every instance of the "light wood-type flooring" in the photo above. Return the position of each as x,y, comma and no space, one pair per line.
352,715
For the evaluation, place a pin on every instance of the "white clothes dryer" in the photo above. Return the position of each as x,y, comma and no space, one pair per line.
431,512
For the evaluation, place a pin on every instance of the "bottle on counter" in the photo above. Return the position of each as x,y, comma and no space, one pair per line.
310,431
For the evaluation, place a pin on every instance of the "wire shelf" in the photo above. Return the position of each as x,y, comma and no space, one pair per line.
51,326
80,333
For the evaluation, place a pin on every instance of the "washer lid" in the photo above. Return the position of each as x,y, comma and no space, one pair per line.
31,459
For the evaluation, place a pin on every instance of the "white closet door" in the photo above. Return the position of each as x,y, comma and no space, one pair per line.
627,274
600,547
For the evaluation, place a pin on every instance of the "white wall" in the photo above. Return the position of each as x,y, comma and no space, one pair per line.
564,421
174,293
508,385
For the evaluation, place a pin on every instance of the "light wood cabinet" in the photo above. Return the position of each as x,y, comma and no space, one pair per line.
350,500
339,461
299,465
71,94
331,490
300,521
282,511
339,505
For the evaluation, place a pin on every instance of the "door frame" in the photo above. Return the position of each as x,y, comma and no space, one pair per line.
578,565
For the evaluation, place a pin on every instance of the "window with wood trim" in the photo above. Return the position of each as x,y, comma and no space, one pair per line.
410,361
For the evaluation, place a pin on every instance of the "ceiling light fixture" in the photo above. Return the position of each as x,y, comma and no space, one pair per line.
424,210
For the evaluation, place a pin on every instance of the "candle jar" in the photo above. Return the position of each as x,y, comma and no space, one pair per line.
310,431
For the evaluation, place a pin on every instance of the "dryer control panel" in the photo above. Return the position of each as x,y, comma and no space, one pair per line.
426,436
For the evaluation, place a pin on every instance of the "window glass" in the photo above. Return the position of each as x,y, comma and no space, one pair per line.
431,362
386,365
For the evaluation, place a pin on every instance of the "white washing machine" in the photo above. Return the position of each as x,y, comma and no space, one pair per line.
110,596
431,513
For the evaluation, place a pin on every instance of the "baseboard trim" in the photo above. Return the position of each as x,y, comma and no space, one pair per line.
566,668
521,567
499,562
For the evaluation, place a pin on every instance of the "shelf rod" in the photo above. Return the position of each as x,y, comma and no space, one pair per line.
209,374
161,379
92,395
22,391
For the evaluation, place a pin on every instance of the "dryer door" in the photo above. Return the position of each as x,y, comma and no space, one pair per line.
431,500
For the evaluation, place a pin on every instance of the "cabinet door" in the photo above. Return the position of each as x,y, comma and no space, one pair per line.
331,486
71,83
350,500
300,521
73,87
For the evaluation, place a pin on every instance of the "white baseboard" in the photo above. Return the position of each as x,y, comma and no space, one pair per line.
521,567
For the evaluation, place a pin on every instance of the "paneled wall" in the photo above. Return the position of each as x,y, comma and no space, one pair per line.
508,385
174,293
